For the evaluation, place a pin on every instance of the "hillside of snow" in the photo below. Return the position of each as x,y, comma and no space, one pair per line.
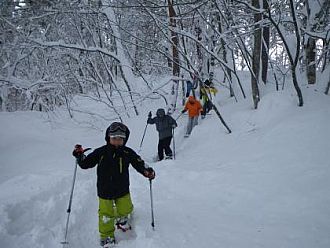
264,185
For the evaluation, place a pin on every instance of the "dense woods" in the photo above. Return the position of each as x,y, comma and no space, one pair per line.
52,51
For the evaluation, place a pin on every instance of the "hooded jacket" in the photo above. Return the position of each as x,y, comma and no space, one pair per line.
193,106
112,169
164,124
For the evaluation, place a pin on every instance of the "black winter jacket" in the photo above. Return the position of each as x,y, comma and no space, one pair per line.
164,125
112,169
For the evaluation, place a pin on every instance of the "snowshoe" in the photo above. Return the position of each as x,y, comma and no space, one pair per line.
169,157
109,242
123,225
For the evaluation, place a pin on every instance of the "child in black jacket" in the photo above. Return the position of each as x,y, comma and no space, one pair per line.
113,160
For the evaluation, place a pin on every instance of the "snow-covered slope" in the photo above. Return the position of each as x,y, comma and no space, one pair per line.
265,185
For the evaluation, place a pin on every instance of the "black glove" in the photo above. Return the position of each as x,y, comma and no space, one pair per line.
149,115
149,173
79,151
183,111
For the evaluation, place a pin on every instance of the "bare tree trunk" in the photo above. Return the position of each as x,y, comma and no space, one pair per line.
265,48
310,53
198,48
235,73
327,89
175,54
293,61
224,55
326,44
229,72
175,39
129,90
310,60
120,52
256,56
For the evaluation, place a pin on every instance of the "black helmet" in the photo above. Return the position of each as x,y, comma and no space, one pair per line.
160,112
117,129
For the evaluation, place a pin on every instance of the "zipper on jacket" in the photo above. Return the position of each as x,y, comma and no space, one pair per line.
121,165
101,159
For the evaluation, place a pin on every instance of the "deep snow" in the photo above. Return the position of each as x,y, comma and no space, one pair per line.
265,185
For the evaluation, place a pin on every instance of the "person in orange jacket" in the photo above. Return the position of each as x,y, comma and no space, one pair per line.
194,108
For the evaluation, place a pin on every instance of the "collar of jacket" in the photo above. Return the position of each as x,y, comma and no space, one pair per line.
114,148
115,152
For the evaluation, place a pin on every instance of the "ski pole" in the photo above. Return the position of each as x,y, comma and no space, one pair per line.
65,242
152,206
178,116
173,143
144,133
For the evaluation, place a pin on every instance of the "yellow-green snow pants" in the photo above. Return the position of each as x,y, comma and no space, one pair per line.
109,210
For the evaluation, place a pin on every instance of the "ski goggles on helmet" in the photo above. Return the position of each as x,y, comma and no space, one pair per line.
117,129
116,126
